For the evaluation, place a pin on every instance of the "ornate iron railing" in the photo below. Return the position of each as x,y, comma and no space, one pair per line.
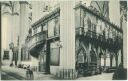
36,38
81,31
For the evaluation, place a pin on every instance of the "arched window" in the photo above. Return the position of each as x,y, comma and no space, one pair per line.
85,24
57,26
81,56
93,56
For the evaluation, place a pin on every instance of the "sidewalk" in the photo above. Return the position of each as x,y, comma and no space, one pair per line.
4,76
22,72
13,71
103,76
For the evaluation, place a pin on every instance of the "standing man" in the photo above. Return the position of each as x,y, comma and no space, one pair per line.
28,74
31,74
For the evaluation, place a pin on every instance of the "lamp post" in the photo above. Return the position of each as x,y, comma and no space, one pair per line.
11,46
15,52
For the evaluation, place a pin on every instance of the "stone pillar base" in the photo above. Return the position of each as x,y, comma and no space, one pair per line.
66,74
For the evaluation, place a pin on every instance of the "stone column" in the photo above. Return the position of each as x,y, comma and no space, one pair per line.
67,37
111,57
116,59
124,27
105,59
24,25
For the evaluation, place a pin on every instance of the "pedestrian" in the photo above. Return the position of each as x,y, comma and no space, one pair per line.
28,74
31,74
100,68
77,69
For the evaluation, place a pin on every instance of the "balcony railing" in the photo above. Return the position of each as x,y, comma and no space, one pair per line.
37,38
99,36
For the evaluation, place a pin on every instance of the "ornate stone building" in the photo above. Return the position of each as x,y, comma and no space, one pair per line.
67,39
97,39
60,40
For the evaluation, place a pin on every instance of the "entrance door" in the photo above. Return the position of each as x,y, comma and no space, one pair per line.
47,70
42,63
54,53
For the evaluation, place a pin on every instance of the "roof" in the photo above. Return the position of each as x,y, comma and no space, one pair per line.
80,5
57,10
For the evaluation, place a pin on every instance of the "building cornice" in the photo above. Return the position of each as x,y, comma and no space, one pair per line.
80,5
46,17
23,2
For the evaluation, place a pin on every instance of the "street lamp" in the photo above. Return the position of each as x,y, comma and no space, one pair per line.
11,45
14,51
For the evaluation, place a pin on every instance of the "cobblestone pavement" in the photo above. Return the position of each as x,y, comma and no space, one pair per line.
103,76
5,76
13,73
18,73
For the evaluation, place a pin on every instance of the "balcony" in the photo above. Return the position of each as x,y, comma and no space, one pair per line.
35,41
98,39
87,33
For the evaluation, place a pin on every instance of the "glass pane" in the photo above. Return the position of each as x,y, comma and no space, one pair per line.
57,27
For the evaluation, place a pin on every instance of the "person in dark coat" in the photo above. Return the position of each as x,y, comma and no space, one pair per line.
31,74
27,74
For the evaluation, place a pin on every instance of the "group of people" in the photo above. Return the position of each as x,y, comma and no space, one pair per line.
29,74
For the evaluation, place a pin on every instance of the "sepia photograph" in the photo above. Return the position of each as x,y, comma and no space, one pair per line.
63,40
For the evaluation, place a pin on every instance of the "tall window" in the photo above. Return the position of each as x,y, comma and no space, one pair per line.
25,56
113,33
53,27
57,27
89,24
93,56
93,27
98,29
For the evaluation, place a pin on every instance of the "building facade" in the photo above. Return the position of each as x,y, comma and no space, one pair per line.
65,38
9,15
99,41
59,41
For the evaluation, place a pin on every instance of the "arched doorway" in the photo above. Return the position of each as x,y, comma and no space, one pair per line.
93,63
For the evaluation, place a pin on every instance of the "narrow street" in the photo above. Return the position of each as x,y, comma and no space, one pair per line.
14,73
11,76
